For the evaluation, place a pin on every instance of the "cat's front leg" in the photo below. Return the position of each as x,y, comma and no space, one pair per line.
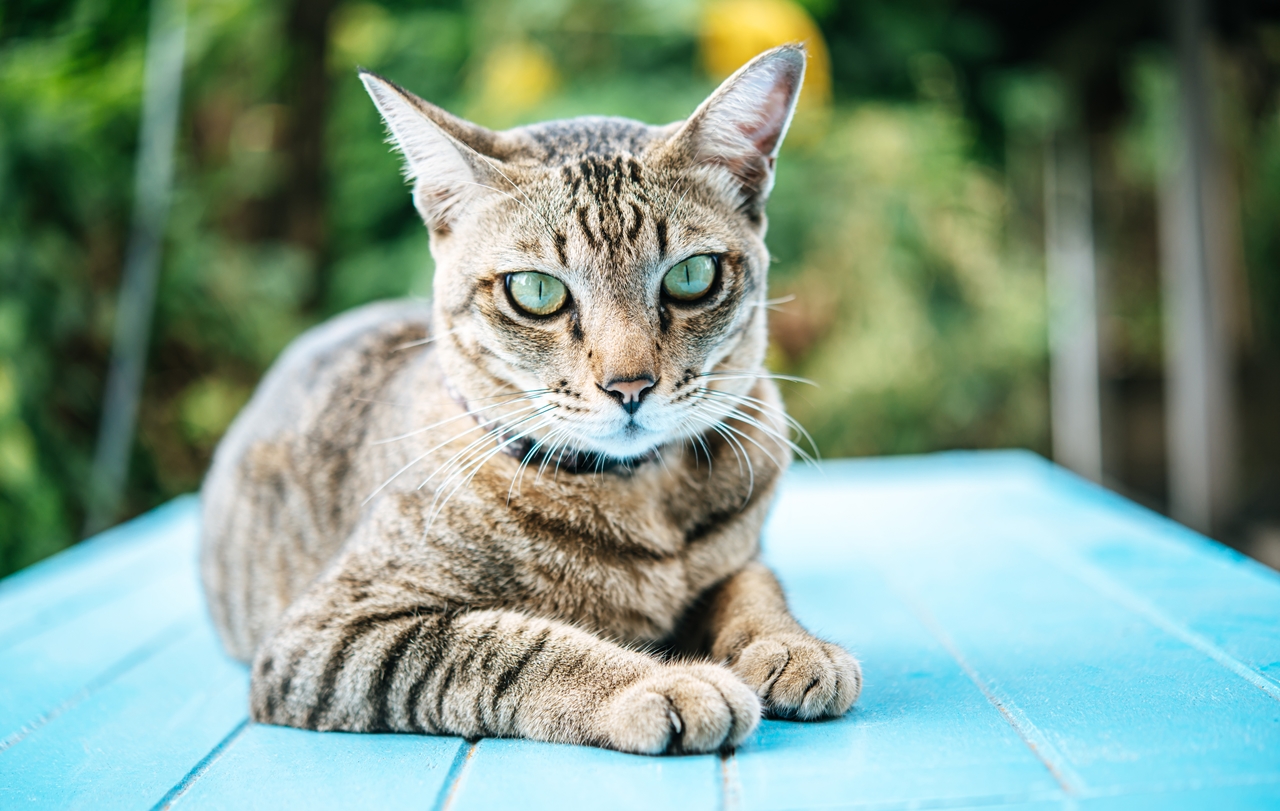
797,675
418,667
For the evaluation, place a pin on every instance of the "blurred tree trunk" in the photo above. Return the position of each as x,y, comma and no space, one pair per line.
302,197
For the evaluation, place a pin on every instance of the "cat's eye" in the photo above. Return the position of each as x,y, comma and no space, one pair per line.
536,293
690,279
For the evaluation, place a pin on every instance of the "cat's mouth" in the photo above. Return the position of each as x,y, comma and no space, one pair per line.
631,440
574,460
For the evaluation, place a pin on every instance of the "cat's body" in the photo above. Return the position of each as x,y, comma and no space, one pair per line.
470,517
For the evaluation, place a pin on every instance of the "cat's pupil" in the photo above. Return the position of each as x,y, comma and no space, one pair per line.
537,293
690,279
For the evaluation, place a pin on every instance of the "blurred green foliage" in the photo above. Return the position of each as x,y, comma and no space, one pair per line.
909,274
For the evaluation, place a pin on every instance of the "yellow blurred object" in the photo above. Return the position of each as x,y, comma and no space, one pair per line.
17,455
515,77
8,390
361,33
733,31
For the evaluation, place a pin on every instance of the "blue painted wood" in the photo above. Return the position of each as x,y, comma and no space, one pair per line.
547,777
921,728
1029,641
276,767
82,578
132,741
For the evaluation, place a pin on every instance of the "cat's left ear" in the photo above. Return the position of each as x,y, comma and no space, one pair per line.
450,161
741,126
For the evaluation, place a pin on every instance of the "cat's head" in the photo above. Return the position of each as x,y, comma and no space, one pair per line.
609,272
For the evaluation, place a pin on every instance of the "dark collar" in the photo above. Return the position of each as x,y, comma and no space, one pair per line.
567,461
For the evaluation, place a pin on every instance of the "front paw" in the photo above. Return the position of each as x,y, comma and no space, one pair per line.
798,676
681,708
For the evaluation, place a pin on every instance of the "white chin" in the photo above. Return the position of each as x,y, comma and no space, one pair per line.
628,443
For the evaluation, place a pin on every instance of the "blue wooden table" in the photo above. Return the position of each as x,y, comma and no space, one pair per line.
1029,641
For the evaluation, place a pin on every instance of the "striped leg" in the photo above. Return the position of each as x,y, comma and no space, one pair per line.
797,675
416,667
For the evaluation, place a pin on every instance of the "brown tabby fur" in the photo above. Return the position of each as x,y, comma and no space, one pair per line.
606,592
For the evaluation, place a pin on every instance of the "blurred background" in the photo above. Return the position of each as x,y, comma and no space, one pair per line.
996,224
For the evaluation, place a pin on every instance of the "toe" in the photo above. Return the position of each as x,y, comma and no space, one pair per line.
800,676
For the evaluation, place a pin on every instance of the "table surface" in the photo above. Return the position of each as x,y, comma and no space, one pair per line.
1029,641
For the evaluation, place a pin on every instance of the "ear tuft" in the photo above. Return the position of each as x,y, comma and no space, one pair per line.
742,124
446,172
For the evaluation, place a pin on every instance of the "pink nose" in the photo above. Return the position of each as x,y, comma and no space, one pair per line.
629,392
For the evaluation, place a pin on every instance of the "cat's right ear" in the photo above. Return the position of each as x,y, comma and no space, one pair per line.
740,128
443,154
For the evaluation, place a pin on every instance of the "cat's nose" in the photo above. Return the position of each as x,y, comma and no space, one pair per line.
628,393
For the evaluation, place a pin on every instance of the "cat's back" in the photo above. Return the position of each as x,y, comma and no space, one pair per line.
275,504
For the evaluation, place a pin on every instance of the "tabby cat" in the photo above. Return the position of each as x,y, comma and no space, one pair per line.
532,507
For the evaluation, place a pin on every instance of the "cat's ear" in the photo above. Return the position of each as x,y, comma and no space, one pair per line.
741,126
444,155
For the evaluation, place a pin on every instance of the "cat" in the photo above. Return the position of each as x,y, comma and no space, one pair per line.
532,506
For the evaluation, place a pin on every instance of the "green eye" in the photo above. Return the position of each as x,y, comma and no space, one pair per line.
691,279
538,293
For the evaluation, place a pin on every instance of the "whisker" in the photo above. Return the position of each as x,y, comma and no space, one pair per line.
721,429
550,229
471,468
734,414
424,455
530,209
761,406
742,375
688,186
487,436
752,440
507,394
424,341
471,413
770,303
524,462
781,441
547,456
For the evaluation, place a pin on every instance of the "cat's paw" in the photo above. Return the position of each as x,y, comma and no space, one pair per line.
681,708
798,676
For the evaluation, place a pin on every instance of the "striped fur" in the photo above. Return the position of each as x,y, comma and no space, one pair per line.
393,533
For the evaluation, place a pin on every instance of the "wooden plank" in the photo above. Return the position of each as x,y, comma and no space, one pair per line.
1117,698
130,743
921,732
1236,798
1172,575
278,767
1029,642
51,668
1115,702
536,776
96,570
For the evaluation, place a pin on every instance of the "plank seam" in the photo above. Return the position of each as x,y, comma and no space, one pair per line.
1118,593
1035,740
730,785
453,779
200,768
131,660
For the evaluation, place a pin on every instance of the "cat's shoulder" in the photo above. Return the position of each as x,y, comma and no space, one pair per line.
397,318
358,349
